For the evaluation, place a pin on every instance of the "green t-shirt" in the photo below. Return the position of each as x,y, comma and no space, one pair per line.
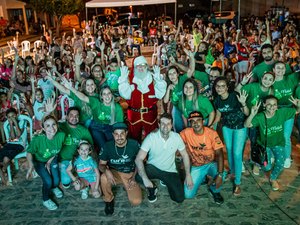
254,94
176,93
209,59
204,106
203,77
275,126
112,80
103,113
285,88
85,109
297,92
73,137
43,149
260,69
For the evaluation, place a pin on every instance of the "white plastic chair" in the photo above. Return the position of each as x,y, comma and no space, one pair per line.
28,124
154,55
62,105
37,44
25,47
11,48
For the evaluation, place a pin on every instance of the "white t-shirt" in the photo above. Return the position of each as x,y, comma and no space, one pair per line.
161,152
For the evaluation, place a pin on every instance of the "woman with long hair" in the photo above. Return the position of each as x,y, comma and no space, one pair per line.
284,88
42,156
271,126
191,101
256,92
232,110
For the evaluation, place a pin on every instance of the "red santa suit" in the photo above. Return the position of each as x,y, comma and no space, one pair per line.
141,94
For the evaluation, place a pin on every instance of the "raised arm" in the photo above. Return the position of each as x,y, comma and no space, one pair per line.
254,110
60,87
78,62
79,94
191,69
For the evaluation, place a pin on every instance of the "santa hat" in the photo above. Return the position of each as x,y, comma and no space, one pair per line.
140,60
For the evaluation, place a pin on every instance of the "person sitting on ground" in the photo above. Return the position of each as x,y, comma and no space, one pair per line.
85,165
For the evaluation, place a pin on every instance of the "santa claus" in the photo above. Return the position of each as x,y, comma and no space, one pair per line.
142,88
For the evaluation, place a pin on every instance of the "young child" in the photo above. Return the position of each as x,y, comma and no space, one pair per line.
87,170
5,105
38,107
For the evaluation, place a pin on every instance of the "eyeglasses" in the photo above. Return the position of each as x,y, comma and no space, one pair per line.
141,65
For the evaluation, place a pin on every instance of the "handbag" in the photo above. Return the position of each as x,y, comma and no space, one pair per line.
259,152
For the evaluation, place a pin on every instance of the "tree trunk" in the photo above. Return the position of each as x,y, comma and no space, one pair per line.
58,25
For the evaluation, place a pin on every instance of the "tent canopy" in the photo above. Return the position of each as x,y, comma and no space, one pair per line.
120,3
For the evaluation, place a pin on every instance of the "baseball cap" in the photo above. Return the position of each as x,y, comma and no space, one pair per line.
195,114
119,126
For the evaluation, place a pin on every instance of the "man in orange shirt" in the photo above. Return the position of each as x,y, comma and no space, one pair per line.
205,149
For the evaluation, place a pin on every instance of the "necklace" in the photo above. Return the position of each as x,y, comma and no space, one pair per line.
123,156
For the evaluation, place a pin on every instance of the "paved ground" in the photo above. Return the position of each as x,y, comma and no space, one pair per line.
22,204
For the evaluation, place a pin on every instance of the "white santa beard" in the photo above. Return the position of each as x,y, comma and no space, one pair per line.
140,74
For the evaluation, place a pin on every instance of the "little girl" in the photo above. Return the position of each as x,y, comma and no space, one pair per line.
38,104
87,170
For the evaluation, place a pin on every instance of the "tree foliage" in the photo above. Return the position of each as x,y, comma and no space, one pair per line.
57,8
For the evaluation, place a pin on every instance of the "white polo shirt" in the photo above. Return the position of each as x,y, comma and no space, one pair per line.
161,152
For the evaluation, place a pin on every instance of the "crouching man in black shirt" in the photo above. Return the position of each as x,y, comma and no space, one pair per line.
118,167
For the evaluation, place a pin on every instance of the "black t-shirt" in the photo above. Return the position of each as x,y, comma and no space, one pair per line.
230,108
120,159
199,66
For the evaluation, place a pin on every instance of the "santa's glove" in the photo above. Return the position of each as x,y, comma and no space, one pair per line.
124,74
156,73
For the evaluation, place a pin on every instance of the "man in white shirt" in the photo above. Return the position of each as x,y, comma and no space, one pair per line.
161,147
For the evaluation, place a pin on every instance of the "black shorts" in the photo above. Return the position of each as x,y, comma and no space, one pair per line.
10,151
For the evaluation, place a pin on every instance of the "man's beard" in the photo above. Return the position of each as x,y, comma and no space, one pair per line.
140,75
268,58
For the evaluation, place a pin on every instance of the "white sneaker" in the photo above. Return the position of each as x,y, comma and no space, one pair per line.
255,170
84,193
50,205
57,192
272,160
243,168
287,163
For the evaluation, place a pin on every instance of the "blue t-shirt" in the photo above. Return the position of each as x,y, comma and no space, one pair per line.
86,168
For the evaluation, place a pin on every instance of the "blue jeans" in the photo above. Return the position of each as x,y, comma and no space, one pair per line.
64,176
50,180
278,152
298,125
101,133
177,119
198,174
287,132
235,140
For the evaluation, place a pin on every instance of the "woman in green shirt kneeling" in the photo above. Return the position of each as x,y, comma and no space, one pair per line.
42,155
272,120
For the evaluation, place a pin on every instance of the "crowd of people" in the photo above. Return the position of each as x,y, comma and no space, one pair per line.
97,121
